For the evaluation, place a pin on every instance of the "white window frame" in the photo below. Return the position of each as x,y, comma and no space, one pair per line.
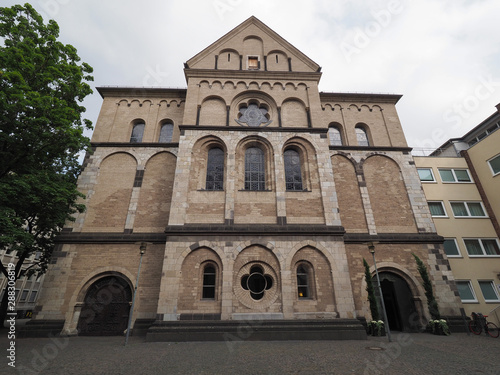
494,287
466,205
471,289
480,240
459,255
455,176
432,174
491,168
442,205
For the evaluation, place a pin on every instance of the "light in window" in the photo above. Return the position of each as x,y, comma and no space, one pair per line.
303,281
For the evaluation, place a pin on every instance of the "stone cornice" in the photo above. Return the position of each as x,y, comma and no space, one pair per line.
135,145
252,74
254,129
67,237
157,92
390,238
406,150
359,97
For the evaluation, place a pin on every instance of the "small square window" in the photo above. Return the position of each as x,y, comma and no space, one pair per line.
489,291
466,291
426,174
494,164
253,63
437,209
451,248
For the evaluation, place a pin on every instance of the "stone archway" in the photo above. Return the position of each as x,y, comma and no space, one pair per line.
399,302
106,308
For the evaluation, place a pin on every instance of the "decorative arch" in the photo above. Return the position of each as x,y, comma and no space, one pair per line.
264,102
199,160
383,178
166,131
363,135
213,111
268,153
293,114
336,134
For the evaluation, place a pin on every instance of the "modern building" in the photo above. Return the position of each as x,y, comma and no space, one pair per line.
461,180
255,197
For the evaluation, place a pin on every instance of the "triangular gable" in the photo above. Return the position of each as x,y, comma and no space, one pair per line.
247,36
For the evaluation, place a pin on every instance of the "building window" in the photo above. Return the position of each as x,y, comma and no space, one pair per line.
293,173
426,174
454,175
362,137
24,295
489,291
467,209
215,169
253,63
257,282
303,281
495,165
451,248
437,209
482,247
209,276
255,172
466,291
335,136
166,133
33,296
137,132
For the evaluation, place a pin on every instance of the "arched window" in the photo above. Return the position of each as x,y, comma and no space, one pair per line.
137,132
166,132
215,169
209,277
335,136
255,172
293,173
362,137
303,279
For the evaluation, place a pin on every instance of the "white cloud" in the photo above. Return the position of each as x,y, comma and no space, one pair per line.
435,53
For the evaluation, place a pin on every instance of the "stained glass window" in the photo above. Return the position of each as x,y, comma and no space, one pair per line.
215,169
335,137
362,137
166,133
255,173
137,132
293,174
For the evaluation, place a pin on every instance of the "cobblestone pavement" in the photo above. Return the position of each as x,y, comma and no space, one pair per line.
418,353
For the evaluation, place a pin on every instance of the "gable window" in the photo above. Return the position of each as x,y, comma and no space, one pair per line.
362,137
293,173
255,173
303,278
454,175
451,248
253,63
437,209
482,247
166,133
209,276
466,291
426,174
137,132
335,136
467,209
215,169
489,291
494,164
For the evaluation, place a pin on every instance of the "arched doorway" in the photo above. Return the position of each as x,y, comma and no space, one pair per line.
106,308
399,302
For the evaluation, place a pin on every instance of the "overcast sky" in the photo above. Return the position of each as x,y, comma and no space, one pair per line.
442,56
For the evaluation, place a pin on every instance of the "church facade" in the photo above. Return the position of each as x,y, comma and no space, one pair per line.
254,196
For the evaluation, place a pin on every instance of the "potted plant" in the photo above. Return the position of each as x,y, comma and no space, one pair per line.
439,327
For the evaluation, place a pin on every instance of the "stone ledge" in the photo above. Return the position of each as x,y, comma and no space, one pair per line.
257,330
254,229
431,238
97,237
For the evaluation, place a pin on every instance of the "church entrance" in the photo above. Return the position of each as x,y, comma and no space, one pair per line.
398,300
106,308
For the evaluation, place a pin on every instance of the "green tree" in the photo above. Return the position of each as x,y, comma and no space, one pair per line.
42,85
371,292
426,282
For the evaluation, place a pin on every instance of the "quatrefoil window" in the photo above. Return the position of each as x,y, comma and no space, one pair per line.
253,116
257,282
